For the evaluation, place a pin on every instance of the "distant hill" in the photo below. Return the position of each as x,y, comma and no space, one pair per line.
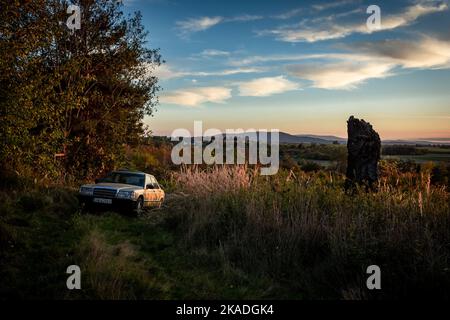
418,142
287,138
322,139
306,138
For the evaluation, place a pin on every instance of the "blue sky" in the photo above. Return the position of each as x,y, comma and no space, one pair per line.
301,66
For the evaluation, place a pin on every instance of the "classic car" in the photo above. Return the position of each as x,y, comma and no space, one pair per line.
123,189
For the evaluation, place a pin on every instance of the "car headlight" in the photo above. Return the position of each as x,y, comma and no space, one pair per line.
86,191
125,194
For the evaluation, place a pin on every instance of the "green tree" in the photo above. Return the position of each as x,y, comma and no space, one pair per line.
82,92
23,99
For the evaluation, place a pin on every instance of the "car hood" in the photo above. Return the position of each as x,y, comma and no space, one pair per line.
115,186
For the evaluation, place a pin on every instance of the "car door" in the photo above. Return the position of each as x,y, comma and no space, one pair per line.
149,192
159,191
156,190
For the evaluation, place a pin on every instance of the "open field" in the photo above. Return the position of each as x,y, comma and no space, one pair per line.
435,157
334,156
228,233
342,104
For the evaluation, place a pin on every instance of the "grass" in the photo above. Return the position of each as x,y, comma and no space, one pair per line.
226,232
120,257
304,232
440,150
435,157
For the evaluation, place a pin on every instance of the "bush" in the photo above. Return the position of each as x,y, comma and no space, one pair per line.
309,166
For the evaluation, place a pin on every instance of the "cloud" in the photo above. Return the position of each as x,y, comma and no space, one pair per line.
316,7
426,53
277,58
244,18
228,72
327,28
342,75
263,87
197,24
191,25
370,60
331,5
423,52
411,14
193,97
214,53
288,14
165,72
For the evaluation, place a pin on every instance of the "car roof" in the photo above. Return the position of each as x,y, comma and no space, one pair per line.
129,171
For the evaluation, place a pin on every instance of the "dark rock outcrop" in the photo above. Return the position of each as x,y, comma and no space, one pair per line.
364,149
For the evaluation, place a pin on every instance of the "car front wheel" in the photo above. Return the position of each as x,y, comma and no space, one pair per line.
139,206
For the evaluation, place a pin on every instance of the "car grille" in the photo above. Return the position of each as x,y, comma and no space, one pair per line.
104,193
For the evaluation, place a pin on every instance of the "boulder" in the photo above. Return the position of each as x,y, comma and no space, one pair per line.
364,149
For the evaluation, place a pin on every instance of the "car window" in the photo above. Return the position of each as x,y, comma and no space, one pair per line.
134,180
149,180
153,182
126,178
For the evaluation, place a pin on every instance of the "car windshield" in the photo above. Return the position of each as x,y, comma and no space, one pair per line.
134,179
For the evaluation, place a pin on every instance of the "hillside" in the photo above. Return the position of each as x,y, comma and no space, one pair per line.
287,138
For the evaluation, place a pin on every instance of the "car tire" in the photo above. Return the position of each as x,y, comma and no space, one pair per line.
160,202
139,206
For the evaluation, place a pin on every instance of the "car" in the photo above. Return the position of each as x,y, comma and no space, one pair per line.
123,189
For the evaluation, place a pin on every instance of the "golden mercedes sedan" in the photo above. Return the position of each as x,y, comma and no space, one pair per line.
123,189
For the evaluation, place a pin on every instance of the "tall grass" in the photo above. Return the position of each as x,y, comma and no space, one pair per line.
303,230
115,271
216,179
234,234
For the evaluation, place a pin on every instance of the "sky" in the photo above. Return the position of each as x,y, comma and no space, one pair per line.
302,67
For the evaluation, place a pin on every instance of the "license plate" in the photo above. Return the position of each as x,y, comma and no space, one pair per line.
101,200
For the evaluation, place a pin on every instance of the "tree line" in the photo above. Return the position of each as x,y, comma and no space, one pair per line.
71,100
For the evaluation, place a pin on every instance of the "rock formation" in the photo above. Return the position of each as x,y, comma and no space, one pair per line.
364,149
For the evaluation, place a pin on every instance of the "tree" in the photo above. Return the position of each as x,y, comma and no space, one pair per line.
85,91
23,35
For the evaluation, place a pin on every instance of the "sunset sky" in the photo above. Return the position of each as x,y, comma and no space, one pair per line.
301,66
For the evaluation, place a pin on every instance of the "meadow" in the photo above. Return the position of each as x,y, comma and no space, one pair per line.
227,232
74,105
334,156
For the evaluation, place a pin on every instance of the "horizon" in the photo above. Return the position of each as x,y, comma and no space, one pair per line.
444,140
301,67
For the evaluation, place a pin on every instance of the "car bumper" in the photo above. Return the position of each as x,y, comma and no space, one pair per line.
115,203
